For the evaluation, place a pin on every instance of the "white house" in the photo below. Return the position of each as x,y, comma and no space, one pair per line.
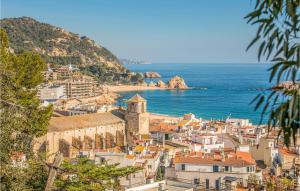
215,169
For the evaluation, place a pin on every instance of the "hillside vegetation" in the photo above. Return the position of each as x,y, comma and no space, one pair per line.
60,47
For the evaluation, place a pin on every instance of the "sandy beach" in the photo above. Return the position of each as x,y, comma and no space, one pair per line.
125,88
162,116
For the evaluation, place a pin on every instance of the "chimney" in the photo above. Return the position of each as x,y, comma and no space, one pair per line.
223,155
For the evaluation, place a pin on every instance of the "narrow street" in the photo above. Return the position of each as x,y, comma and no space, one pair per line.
228,141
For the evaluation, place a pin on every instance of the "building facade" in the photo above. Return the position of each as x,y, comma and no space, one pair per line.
51,93
80,88
214,170
89,133
137,118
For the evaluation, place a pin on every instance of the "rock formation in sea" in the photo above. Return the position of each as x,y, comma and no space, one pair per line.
177,83
161,84
152,75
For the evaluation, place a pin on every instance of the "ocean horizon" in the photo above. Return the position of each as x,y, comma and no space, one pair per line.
218,90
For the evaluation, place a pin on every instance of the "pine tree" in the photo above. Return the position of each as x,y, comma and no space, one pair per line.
83,174
22,118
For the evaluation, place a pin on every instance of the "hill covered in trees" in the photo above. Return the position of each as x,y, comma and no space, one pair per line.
60,47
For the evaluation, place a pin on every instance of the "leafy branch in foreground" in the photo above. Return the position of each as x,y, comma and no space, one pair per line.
84,174
278,38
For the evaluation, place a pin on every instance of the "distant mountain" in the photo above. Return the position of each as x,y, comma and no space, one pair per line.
60,47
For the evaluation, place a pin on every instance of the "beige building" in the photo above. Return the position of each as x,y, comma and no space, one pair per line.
265,150
51,93
137,118
89,133
80,88
288,158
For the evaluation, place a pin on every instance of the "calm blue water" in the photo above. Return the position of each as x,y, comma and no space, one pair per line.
219,90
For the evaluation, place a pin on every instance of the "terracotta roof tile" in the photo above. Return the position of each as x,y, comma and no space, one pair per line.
163,127
82,121
239,159
136,98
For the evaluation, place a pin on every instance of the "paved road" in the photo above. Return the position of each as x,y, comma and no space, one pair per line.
227,141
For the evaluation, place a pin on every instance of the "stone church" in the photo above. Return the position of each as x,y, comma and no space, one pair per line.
90,133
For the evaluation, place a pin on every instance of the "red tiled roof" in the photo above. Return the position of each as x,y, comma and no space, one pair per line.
249,135
239,159
163,127
245,156
285,151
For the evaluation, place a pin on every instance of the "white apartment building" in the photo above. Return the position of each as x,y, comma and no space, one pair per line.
51,93
238,122
205,142
214,170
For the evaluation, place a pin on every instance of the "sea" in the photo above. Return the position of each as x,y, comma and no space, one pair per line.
218,90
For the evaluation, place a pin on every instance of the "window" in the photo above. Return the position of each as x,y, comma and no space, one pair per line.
196,181
248,169
207,183
183,167
215,168
226,168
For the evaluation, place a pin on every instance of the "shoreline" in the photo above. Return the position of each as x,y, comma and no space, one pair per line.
128,88
153,116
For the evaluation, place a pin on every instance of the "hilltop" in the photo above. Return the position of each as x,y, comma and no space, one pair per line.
60,47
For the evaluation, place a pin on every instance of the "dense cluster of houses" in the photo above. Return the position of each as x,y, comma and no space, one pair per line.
185,153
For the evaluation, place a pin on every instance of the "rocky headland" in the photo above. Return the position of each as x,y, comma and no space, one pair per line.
176,82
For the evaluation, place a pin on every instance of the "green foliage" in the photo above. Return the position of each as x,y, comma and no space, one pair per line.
278,37
279,184
137,78
31,177
84,174
253,181
22,117
110,75
287,183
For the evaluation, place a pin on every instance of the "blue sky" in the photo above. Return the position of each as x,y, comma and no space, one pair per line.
200,31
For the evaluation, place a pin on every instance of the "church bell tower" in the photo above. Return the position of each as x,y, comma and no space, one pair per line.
137,118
